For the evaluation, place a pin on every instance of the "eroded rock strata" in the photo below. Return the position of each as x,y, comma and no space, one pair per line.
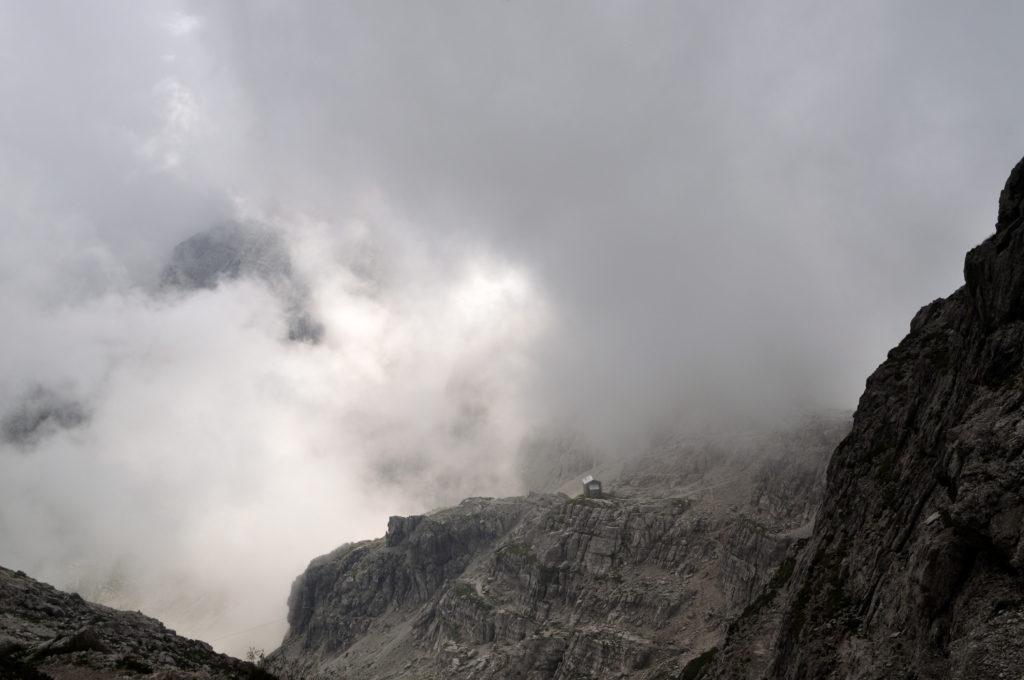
638,584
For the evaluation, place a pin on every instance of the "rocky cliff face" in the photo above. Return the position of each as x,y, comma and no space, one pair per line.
547,586
46,633
915,567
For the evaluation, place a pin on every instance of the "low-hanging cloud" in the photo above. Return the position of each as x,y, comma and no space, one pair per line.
218,456
504,215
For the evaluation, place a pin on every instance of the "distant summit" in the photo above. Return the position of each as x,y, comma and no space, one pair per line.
40,412
235,250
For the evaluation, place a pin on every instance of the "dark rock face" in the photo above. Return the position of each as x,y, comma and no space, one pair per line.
231,251
46,633
915,567
227,251
39,413
1010,198
546,586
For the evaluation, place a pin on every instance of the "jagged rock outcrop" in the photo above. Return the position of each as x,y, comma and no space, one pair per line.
914,570
547,586
46,633
243,250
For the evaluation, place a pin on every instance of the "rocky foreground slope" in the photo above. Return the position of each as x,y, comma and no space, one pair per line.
550,586
914,570
46,633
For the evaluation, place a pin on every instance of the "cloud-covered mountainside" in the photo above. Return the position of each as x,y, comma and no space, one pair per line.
230,251
915,566
183,447
736,558
40,413
271,272
639,583
221,254
745,555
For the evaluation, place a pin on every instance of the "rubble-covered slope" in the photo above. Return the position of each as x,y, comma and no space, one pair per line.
47,633
914,570
547,586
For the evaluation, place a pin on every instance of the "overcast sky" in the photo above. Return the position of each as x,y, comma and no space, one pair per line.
508,214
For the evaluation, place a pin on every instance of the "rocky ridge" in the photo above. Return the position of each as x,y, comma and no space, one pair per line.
638,584
49,634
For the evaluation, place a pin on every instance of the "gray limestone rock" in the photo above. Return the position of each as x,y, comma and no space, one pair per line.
914,569
544,586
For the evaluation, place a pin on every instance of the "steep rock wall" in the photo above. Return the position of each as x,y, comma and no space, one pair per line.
914,567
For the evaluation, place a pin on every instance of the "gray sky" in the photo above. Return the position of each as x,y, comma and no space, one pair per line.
508,213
